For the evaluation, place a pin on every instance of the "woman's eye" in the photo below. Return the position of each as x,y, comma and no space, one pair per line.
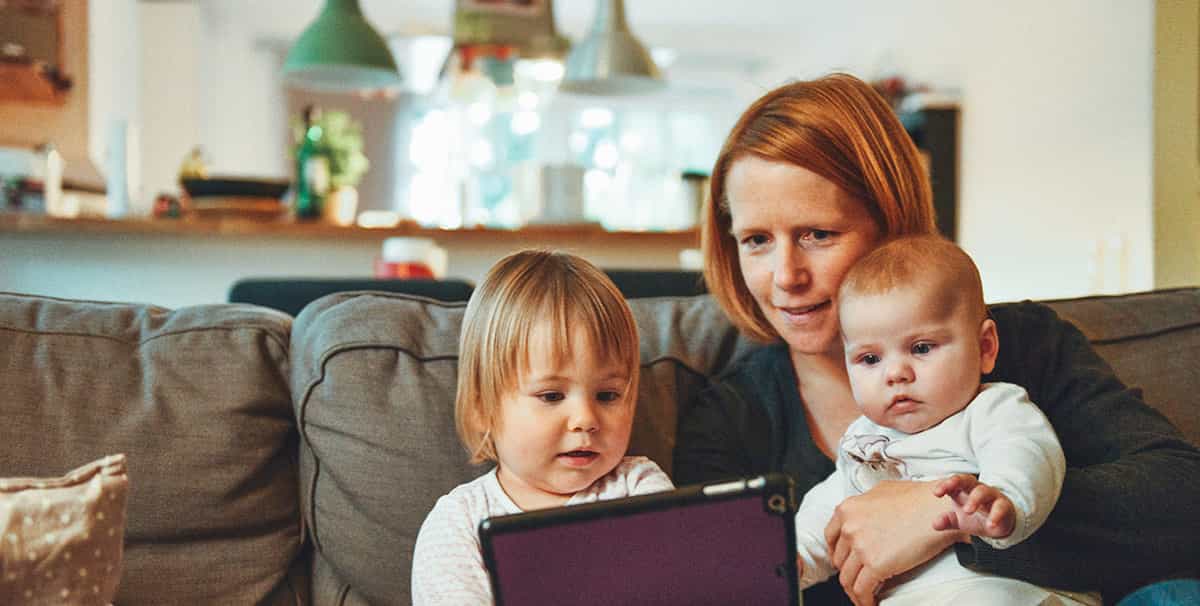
868,359
754,241
550,396
608,396
817,235
922,348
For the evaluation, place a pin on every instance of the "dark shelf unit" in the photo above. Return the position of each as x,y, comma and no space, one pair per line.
935,131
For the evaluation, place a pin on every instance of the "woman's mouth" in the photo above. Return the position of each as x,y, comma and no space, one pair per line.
802,314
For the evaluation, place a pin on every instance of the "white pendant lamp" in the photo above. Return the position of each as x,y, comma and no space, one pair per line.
609,60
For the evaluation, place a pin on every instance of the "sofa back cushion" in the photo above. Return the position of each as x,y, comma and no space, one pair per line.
197,399
1152,341
374,377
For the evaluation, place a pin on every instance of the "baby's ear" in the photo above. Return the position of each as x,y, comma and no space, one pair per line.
989,345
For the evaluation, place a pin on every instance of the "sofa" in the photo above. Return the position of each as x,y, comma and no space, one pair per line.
280,460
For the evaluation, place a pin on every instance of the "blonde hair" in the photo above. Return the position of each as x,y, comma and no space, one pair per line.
523,291
927,261
839,128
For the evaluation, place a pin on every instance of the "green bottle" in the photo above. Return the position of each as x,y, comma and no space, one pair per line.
312,168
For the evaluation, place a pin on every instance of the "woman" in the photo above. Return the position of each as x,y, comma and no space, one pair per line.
813,176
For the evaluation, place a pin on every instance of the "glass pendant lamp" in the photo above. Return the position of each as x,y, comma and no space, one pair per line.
610,60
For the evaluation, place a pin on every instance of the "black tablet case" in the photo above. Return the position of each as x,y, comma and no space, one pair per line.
725,543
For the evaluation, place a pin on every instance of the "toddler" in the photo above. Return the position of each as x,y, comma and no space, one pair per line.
917,339
547,383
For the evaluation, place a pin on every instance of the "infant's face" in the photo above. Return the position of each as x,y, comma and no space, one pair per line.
566,425
911,362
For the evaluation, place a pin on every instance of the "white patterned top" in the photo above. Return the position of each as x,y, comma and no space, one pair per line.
447,560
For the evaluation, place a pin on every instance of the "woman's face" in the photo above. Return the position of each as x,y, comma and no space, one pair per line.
797,235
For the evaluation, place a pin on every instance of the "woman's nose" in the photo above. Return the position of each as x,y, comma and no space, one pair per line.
791,268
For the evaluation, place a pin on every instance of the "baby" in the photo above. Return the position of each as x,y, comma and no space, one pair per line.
917,340
547,383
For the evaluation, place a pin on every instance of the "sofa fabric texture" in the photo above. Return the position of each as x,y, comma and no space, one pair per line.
197,399
292,463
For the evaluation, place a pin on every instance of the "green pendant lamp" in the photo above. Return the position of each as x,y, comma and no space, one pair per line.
340,52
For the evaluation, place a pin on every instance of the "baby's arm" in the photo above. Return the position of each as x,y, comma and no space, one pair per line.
813,557
447,561
979,509
1018,455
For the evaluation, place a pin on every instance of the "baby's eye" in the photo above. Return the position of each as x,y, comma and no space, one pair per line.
922,348
608,396
820,234
550,396
868,359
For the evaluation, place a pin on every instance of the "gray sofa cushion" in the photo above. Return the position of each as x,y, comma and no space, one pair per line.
374,381
1152,341
198,400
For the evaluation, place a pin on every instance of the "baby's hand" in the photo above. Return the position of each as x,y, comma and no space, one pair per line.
979,509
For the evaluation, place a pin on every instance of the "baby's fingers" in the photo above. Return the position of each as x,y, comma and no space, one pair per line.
981,497
1001,519
952,484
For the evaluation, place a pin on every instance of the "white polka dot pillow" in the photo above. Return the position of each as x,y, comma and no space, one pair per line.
61,539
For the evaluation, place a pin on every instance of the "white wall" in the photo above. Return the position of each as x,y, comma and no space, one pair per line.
1056,165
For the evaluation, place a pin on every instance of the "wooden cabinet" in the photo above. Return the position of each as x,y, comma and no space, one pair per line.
32,53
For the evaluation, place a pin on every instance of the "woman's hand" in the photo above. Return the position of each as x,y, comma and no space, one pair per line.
882,533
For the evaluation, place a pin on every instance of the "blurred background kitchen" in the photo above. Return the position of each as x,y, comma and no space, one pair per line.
1071,164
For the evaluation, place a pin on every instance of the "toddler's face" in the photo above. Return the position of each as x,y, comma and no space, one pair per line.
566,424
911,362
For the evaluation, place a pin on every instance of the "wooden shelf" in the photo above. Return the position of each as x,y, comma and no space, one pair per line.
32,223
20,83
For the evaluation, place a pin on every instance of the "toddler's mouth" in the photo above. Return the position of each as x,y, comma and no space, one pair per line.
578,457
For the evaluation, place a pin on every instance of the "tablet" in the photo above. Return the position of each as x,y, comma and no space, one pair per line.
722,543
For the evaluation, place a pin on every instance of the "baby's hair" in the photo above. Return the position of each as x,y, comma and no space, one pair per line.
524,291
919,261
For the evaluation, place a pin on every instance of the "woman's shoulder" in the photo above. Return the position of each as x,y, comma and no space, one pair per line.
1029,324
1023,313
754,365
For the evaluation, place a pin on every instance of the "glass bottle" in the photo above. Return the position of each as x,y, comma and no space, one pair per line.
312,168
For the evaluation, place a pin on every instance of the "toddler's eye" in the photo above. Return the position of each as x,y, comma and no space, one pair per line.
820,234
922,348
550,396
608,396
868,359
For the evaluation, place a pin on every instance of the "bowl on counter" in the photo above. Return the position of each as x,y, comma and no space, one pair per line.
236,197
235,187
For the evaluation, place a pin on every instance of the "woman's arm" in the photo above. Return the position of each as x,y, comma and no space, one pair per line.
1127,513
711,442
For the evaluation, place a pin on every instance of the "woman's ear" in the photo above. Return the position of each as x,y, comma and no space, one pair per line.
989,346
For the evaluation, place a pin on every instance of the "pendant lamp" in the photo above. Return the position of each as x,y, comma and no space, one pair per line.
609,60
340,52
